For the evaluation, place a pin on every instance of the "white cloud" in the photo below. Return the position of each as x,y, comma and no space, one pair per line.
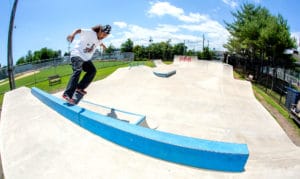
165,8
190,31
167,28
235,3
296,35
193,18
213,31
47,38
231,3
120,24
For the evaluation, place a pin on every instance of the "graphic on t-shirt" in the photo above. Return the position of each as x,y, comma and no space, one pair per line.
86,45
88,48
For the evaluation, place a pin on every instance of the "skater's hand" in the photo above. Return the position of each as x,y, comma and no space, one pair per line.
70,38
103,46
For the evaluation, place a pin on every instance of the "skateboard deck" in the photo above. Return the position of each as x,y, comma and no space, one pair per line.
77,97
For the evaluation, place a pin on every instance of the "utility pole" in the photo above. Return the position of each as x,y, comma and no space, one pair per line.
203,43
150,42
183,47
208,44
10,63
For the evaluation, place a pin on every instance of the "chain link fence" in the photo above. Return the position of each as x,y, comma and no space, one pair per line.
40,71
287,75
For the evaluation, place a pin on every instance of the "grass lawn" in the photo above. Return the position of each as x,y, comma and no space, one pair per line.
168,62
39,78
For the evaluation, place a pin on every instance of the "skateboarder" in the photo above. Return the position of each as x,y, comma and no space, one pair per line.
81,55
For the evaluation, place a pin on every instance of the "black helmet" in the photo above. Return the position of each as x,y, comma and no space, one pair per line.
106,29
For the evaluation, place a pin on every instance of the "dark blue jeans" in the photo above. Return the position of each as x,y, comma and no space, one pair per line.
78,65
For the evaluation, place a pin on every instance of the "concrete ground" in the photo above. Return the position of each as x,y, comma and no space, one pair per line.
201,100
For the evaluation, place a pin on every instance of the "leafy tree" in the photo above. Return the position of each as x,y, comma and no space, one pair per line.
155,51
140,52
161,50
256,34
206,54
67,54
127,46
39,56
166,49
21,60
179,49
29,57
245,31
110,49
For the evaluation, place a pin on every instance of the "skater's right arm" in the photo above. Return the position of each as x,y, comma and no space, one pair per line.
71,37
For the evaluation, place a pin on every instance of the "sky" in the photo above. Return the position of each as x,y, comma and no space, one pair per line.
45,23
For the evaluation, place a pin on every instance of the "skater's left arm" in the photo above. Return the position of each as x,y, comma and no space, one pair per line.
103,46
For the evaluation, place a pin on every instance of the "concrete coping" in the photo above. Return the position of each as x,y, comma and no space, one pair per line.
165,74
194,152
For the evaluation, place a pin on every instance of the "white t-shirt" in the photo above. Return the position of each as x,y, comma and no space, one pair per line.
86,45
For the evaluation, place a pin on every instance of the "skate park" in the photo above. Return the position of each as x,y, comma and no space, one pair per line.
195,98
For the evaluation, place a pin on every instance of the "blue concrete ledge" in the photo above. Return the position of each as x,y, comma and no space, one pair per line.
166,74
179,149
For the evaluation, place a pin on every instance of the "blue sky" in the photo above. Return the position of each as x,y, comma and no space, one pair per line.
45,23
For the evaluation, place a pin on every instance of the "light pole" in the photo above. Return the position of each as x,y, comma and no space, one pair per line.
150,41
203,39
10,63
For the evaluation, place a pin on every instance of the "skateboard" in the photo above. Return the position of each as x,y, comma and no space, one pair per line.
77,97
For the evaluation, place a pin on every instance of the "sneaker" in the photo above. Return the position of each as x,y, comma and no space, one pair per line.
81,91
68,99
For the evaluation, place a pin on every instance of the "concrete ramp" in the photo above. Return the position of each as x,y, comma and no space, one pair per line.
178,59
158,62
166,146
201,101
164,73
163,70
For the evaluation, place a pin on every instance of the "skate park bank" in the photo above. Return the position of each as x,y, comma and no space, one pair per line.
179,149
202,100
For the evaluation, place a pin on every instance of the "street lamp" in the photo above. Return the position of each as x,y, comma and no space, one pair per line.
9,48
150,41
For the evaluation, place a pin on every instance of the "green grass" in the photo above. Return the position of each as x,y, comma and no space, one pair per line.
40,78
167,62
271,101
238,75
149,63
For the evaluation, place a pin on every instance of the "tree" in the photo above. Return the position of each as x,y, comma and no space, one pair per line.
245,31
179,49
21,60
205,54
256,34
166,50
39,56
140,52
127,46
29,57
110,49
